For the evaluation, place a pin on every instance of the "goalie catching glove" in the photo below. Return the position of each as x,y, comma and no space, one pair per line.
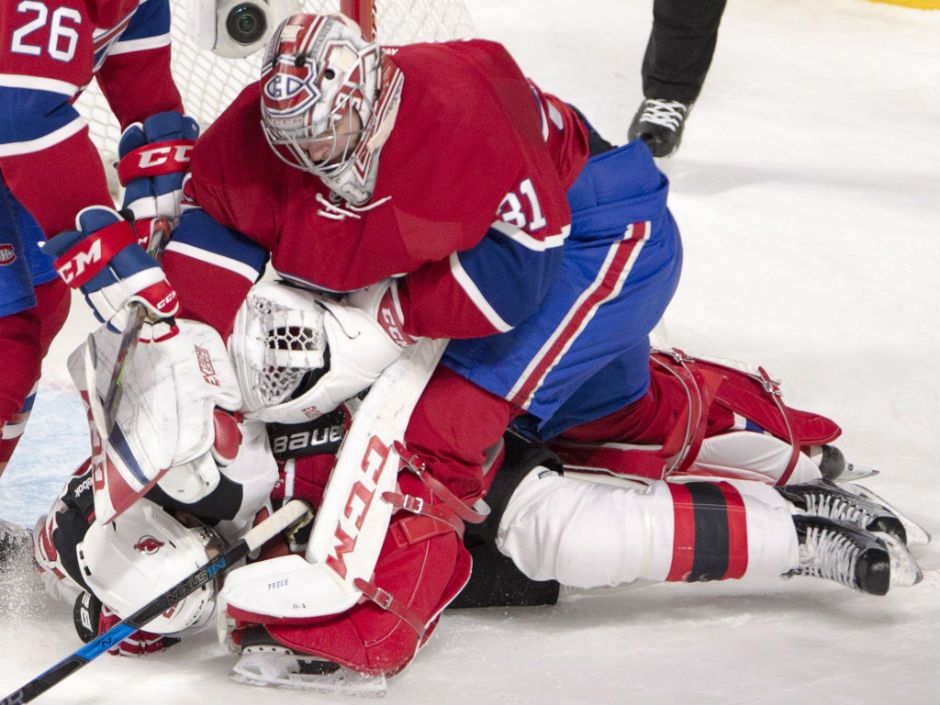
299,355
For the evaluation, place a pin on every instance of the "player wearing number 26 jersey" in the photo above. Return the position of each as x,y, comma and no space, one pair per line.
49,168
472,206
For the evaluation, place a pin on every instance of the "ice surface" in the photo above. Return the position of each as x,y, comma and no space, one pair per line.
807,193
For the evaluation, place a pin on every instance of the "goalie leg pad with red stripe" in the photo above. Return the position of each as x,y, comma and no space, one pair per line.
422,567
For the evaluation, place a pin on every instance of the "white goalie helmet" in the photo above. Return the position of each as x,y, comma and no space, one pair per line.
142,554
320,87
299,355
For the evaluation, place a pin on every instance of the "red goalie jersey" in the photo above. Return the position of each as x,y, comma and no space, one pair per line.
518,152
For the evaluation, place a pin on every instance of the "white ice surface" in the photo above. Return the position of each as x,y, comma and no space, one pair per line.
807,193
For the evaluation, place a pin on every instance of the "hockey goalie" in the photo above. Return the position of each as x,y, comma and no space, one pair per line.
711,510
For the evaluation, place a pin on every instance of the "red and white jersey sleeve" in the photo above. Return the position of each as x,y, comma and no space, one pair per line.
49,51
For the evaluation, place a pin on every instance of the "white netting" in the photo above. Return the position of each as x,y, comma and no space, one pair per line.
209,83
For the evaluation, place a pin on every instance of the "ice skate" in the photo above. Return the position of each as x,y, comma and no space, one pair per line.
838,551
823,498
659,123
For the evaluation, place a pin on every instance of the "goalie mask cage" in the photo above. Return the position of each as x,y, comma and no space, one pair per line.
209,83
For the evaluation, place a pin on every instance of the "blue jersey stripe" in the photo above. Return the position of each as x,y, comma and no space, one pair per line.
29,114
198,229
152,19
498,260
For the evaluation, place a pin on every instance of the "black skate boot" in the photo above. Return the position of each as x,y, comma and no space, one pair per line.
840,552
659,123
823,498
16,545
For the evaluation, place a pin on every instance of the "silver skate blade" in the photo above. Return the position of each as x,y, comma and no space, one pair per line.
279,670
904,569
854,472
916,534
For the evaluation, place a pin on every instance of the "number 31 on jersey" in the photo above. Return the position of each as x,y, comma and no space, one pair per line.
521,208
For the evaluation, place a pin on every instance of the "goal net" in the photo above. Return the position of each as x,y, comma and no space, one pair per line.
209,83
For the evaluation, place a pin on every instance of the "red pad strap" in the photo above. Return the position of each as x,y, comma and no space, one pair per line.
159,159
416,505
387,602
772,387
410,461
700,388
81,263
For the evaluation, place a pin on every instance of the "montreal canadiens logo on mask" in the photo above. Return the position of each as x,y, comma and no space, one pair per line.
288,93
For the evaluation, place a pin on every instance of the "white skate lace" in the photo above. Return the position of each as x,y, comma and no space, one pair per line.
828,554
832,506
667,113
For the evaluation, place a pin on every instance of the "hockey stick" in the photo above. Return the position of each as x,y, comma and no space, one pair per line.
105,414
291,513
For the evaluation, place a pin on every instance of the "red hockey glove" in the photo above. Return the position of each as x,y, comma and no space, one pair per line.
92,619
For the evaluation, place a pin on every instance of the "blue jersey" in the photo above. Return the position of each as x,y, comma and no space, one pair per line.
23,266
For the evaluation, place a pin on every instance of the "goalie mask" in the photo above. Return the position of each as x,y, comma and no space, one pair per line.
320,101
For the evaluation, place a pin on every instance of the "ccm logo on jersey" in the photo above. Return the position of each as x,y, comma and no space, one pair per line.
357,504
7,254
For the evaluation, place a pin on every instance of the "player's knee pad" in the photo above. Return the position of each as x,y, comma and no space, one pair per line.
520,457
140,555
496,580
59,533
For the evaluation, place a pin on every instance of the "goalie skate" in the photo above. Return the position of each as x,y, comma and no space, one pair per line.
268,664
